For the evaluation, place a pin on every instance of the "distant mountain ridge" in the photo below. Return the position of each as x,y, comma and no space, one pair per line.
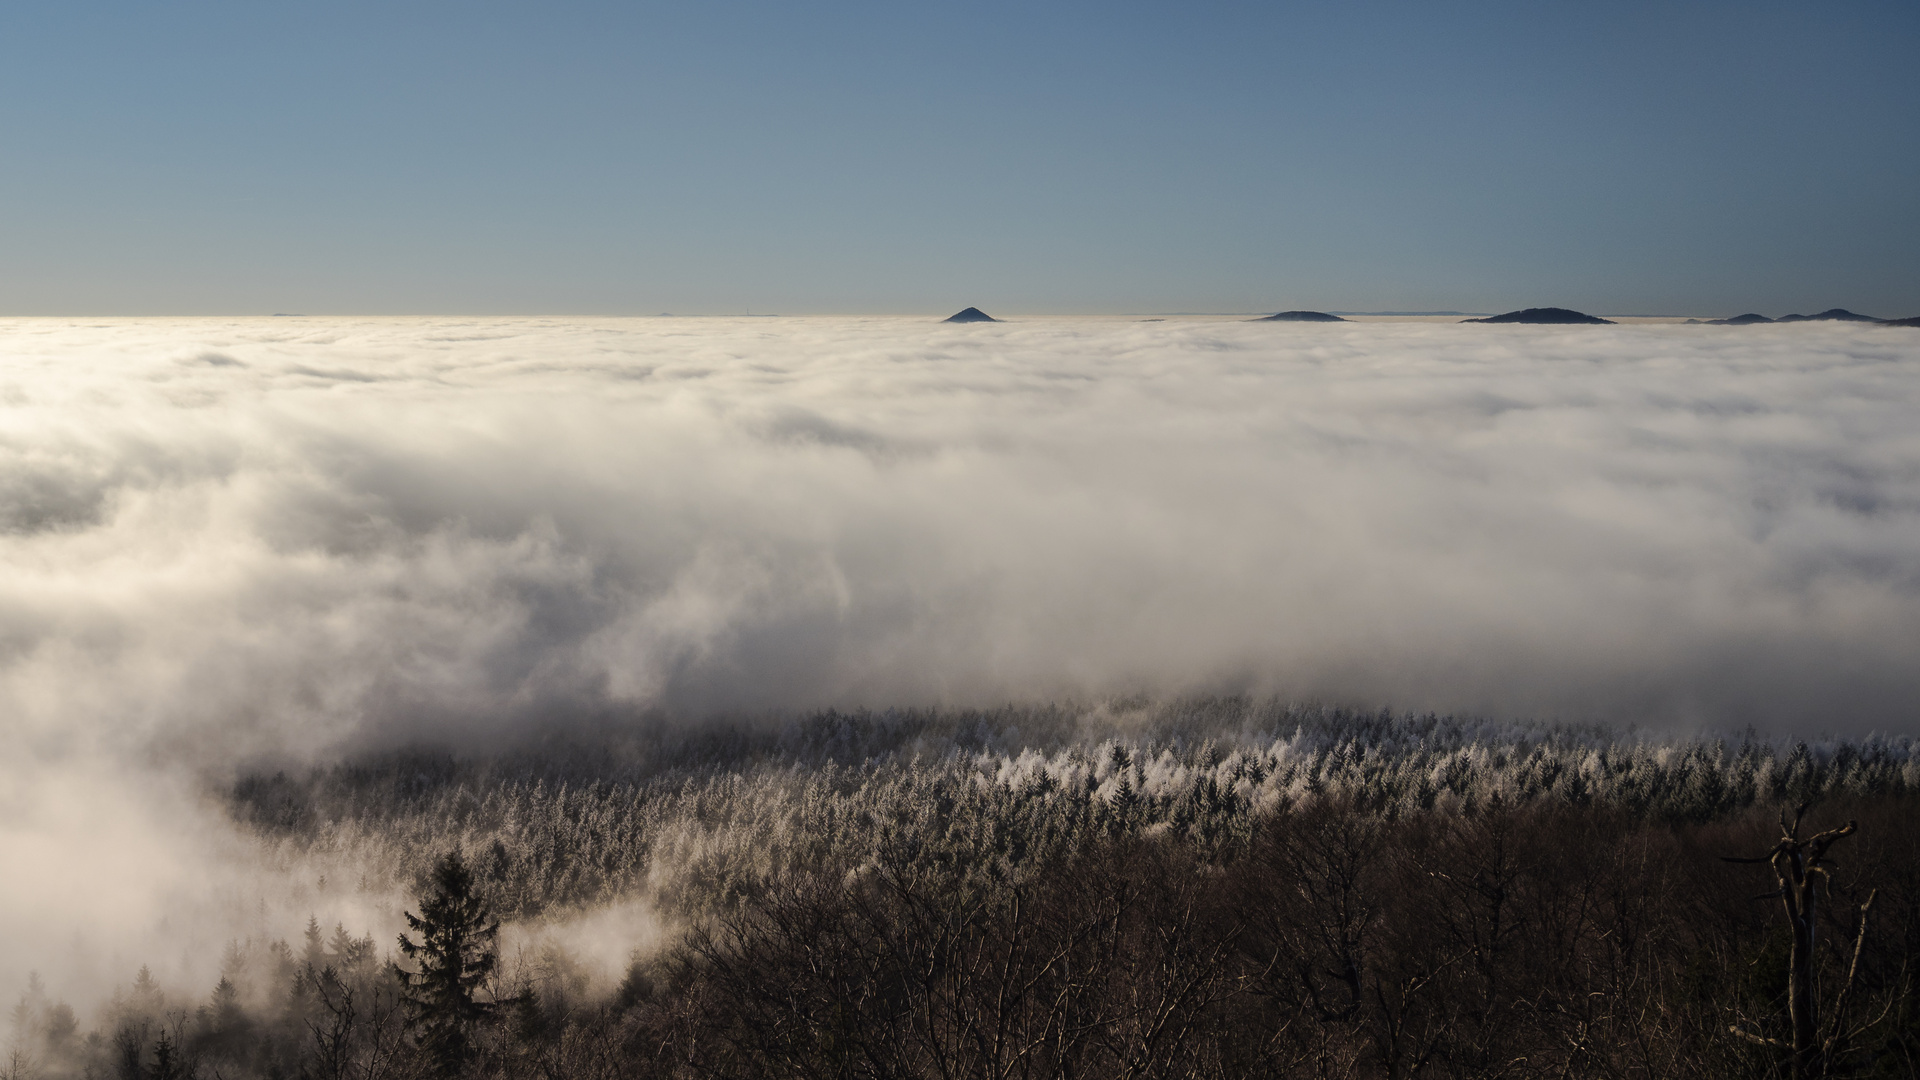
1555,316
1547,316
1302,316
1829,315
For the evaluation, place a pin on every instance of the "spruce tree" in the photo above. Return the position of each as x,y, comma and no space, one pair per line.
453,957
348,952
166,1063
315,955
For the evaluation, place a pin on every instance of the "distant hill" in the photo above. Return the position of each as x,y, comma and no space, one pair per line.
1302,316
1915,321
1553,315
1840,314
972,314
1739,320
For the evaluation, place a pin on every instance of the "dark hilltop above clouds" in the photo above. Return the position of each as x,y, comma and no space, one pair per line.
1549,315
1301,316
1829,315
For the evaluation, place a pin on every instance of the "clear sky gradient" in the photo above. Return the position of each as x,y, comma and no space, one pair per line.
607,158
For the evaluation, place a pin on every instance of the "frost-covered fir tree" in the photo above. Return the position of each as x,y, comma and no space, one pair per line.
452,960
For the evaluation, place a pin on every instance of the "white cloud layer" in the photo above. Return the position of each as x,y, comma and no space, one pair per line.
270,535
233,538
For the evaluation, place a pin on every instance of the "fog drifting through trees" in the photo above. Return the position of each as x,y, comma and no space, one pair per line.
294,606
720,902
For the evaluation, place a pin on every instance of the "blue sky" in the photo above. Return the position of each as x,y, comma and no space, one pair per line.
410,157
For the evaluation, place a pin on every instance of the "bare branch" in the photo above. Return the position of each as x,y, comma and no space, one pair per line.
1761,1040
1853,970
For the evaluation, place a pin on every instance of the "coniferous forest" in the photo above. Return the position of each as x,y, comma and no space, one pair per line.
1197,889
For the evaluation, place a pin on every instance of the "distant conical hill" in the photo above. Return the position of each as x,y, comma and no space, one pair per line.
1739,320
1829,315
972,314
1558,315
1301,316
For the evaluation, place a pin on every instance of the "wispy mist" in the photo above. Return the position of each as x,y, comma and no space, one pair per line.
289,535
235,541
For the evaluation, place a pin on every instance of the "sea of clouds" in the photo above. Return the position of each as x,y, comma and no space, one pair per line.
230,542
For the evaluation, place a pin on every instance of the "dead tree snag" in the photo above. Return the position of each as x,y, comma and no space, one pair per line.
1799,865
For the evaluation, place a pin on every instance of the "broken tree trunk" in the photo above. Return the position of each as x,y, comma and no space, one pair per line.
1799,865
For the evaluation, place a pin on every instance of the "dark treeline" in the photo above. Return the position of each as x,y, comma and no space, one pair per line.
1230,890
1512,941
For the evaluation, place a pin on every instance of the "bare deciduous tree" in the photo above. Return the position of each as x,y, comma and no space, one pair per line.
1800,866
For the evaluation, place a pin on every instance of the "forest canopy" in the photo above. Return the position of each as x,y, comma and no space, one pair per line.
1213,887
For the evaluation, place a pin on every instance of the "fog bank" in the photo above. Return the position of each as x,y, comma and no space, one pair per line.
228,537
284,539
